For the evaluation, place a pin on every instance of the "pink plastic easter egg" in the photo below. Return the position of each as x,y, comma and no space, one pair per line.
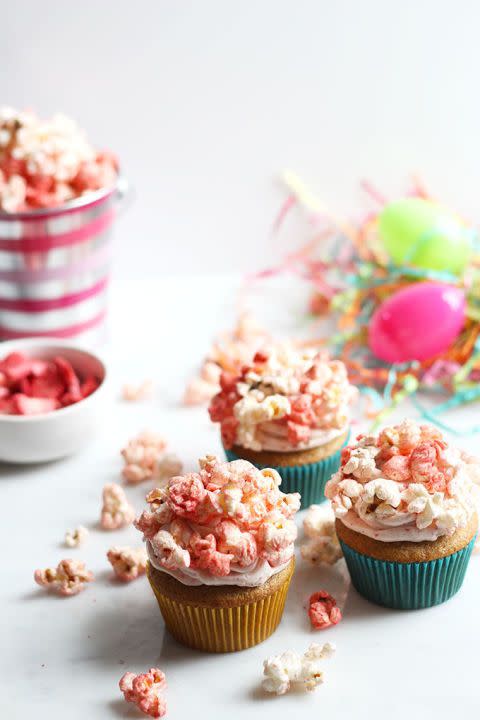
417,322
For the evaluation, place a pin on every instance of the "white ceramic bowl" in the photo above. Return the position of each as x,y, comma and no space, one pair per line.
56,434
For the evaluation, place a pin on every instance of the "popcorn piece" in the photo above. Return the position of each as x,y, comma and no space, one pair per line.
323,611
75,538
145,691
137,393
322,545
169,552
116,510
68,578
281,671
141,456
426,465
128,563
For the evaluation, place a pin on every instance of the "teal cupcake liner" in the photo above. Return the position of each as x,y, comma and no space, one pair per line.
309,480
407,586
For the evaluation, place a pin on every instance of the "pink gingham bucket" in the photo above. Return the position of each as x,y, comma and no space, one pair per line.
55,266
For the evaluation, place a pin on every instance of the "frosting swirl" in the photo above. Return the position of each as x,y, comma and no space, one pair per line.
406,483
228,524
286,399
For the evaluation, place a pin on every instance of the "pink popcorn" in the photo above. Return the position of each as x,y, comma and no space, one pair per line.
116,510
397,468
187,494
277,537
68,578
427,466
169,552
323,611
46,163
142,455
128,563
405,482
228,353
148,524
237,543
285,392
145,691
137,393
205,556
228,516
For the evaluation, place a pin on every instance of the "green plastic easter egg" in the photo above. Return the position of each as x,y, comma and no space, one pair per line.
423,234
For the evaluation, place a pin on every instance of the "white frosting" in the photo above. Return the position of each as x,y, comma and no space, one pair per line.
393,512
273,436
407,484
252,576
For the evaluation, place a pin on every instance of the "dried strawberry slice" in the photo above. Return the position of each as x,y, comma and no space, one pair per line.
89,385
17,366
48,385
7,406
72,383
25,405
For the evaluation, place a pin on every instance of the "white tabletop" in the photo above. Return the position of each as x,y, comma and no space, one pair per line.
63,657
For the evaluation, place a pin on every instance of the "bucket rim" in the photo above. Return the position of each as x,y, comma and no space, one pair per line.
88,200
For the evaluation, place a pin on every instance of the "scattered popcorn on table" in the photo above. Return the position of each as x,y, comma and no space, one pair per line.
145,691
75,538
128,563
322,545
30,386
68,578
281,671
137,393
228,353
145,459
45,163
116,510
323,611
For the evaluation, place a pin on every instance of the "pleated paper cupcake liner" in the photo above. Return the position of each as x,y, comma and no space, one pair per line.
223,629
309,480
407,586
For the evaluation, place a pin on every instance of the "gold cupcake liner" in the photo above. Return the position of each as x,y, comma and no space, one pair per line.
224,629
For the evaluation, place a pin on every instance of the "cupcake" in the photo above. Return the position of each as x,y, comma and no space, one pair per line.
220,544
405,515
289,410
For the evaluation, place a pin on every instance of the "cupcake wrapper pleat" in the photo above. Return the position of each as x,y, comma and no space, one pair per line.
407,586
309,480
223,629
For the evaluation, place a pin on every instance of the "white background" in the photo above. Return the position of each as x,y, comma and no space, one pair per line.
205,101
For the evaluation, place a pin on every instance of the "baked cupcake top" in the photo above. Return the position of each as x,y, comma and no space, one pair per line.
228,524
285,399
406,483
